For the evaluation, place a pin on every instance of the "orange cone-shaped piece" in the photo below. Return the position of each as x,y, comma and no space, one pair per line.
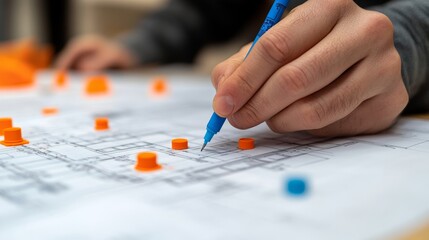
179,144
5,123
60,79
97,85
147,162
47,111
246,143
13,137
101,124
159,86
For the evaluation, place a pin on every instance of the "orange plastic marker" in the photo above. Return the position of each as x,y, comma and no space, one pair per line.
60,79
13,137
246,143
47,111
15,73
97,85
28,52
101,124
147,162
179,144
5,123
159,86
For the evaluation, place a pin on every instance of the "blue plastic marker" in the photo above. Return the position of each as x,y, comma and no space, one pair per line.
296,186
274,15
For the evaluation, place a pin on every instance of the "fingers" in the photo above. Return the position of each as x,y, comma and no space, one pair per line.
314,70
227,67
75,50
333,102
371,117
330,110
289,39
379,112
322,108
94,54
92,62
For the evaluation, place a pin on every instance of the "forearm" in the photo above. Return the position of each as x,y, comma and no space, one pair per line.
177,32
411,22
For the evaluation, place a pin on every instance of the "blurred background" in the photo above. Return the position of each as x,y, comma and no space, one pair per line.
55,22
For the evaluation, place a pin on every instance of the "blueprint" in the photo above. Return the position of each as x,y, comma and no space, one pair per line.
72,182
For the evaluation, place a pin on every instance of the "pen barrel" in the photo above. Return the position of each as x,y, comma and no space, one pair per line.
273,17
215,124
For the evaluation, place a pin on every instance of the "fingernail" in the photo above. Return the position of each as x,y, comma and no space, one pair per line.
224,105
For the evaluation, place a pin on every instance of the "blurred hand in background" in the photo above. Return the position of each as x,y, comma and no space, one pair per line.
95,53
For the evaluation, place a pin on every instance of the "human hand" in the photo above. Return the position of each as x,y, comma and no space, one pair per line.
329,68
93,53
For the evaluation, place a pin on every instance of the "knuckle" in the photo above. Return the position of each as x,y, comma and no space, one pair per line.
391,68
301,14
402,98
295,10
243,84
348,97
313,114
275,47
391,71
294,79
395,61
378,27
338,5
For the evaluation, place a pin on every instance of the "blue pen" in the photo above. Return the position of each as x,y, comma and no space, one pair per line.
274,15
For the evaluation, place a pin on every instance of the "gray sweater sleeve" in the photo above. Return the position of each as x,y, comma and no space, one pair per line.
178,31
411,22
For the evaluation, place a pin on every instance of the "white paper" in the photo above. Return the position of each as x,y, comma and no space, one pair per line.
72,182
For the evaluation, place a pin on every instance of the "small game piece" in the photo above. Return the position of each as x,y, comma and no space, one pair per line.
159,86
296,186
60,79
246,143
97,85
179,144
47,111
5,123
13,137
147,162
101,124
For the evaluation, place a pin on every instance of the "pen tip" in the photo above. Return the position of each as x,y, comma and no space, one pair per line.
204,145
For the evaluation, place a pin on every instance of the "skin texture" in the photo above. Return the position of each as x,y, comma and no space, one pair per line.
94,53
329,68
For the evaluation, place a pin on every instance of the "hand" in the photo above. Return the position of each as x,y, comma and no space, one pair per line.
93,53
329,68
